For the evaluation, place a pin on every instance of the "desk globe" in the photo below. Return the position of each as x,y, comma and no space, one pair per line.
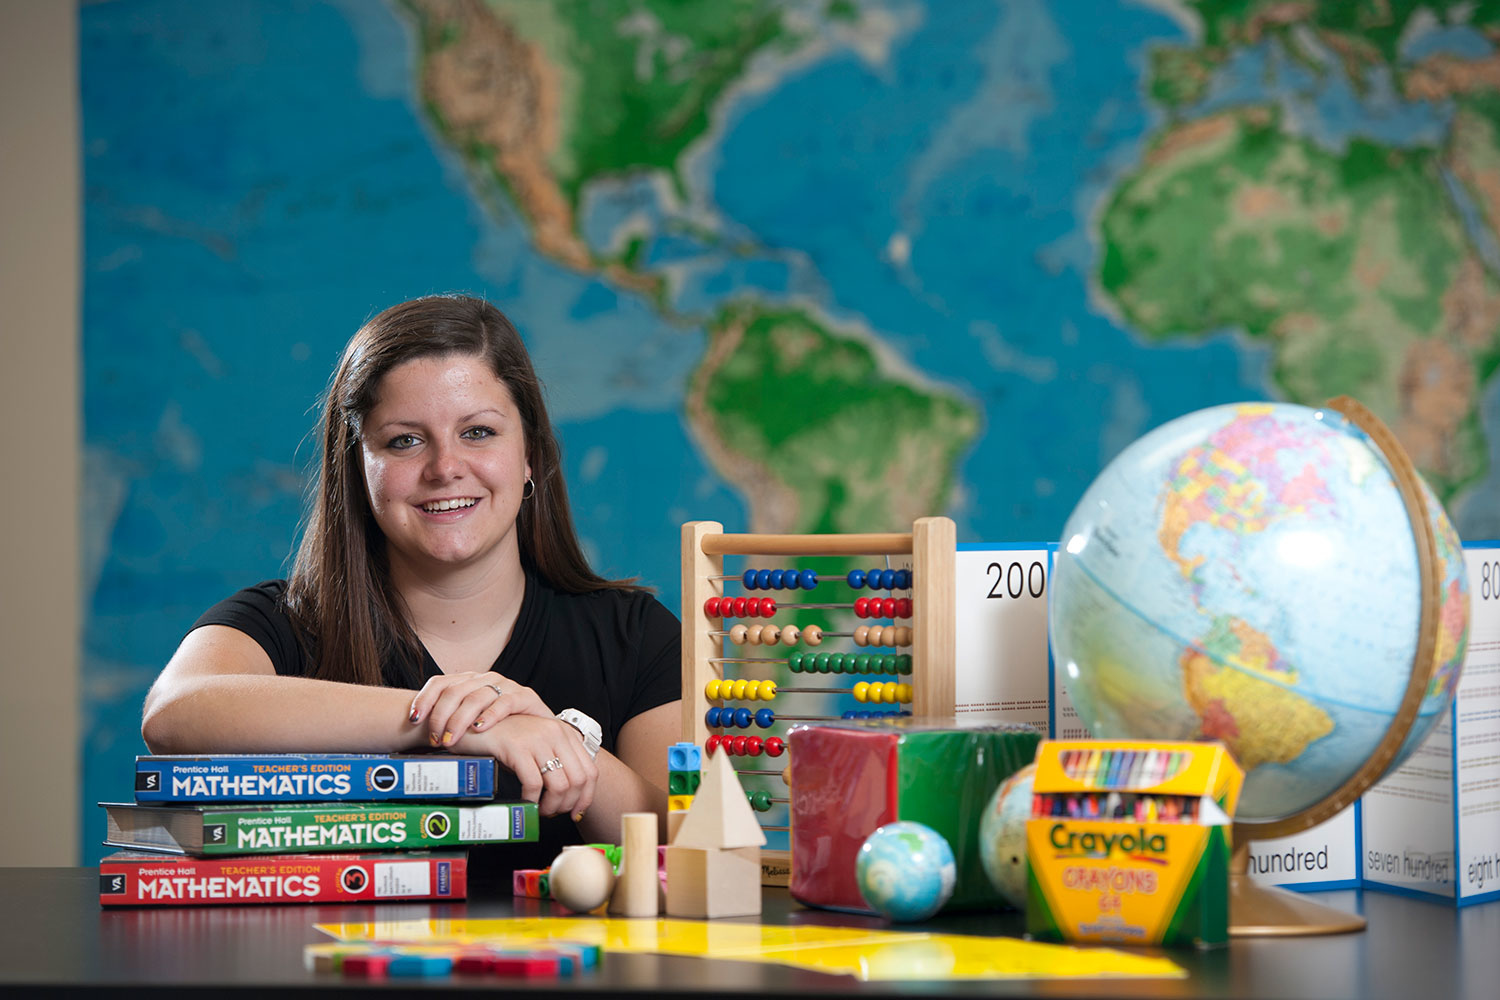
1278,578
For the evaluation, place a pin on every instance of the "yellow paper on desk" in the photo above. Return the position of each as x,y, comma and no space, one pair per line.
865,954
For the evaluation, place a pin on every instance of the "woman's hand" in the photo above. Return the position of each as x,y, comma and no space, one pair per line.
453,704
547,756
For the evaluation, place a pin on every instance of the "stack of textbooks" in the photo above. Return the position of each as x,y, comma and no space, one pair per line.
303,828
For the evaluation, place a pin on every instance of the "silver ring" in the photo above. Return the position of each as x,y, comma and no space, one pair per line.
496,688
551,765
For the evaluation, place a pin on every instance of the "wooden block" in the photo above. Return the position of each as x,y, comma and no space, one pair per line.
720,815
637,886
674,823
713,882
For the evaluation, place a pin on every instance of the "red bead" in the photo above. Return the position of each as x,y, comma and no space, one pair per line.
903,607
739,607
753,745
738,745
711,607
888,608
775,745
768,607
712,743
862,607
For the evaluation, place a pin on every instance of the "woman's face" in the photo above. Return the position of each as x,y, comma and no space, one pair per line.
445,463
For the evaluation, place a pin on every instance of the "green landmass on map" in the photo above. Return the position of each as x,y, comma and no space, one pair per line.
1354,266
817,431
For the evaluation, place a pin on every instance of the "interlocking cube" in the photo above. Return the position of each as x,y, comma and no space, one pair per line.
850,778
684,757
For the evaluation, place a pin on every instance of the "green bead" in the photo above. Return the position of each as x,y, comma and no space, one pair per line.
888,663
836,662
903,664
820,662
760,800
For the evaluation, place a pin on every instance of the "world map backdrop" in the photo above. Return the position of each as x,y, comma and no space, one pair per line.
792,266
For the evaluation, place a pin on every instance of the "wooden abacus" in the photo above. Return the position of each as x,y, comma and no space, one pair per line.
930,545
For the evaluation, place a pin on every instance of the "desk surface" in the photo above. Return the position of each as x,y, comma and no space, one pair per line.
57,937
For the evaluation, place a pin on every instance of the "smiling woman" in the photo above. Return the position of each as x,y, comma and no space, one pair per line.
439,556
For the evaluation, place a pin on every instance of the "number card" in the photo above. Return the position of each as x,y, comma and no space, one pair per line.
1432,827
1003,661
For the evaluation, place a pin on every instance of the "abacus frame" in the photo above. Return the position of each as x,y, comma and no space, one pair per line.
932,544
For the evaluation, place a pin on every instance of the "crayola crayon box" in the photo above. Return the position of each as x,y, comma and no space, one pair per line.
1129,842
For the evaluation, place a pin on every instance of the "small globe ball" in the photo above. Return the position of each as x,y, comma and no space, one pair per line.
582,878
905,871
1002,836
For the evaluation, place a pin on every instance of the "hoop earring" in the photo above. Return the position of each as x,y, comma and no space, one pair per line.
530,490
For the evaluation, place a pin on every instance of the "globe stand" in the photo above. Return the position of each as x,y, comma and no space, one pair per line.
1264,911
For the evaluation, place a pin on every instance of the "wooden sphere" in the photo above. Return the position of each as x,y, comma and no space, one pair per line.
582,878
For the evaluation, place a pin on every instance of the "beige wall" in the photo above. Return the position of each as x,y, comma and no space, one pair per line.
40,432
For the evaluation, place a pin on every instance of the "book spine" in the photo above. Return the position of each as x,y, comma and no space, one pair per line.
306,878
280,779
295,829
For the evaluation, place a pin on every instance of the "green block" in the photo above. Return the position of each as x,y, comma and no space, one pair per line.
683,782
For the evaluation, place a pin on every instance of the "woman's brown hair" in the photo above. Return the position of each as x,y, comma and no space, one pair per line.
339,593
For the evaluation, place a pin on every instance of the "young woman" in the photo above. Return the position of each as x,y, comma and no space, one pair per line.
439,558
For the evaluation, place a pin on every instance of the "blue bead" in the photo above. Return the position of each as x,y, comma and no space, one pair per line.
742,717
748,579
872,577
849,714
763,580
778,579
887,579
712,717
764,718
903,579
856,578
808,579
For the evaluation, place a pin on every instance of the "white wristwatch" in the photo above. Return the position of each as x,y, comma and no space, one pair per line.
592,735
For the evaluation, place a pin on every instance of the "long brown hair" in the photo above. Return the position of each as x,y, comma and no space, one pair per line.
339,593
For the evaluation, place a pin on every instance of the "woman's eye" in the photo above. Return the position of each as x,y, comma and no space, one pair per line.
475,433
402,441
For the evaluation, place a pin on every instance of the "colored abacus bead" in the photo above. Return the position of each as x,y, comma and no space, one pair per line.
790,635
737,746
903,607
738,633
763,580
752,634
903,579
711,718
754,745
737,606
748,580
712,688
812,635
742,717
862,607
862,635
856,578
775,746
711,607
807,579
767,607
765,718
777,579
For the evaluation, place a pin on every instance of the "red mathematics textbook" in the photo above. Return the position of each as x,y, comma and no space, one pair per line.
131,878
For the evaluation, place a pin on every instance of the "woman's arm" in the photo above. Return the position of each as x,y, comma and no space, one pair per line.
220,694
634,778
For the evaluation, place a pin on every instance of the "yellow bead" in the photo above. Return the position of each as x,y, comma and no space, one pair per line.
738,689
903,693
711,690
862,691
767,690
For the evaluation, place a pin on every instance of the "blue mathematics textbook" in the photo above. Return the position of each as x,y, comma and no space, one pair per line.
315,777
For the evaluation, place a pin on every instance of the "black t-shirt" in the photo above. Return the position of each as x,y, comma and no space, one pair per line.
611,654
